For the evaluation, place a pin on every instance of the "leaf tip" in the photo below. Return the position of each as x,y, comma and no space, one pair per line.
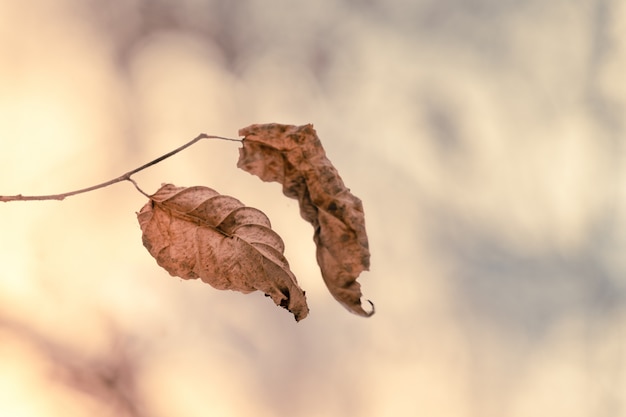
358,309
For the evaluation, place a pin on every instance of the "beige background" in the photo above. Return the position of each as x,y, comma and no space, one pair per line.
485,138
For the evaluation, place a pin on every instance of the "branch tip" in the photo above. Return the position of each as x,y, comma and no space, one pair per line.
123,177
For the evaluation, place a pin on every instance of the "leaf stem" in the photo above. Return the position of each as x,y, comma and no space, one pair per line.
123,177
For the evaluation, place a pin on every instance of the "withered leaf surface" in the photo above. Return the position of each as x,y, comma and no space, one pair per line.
294,157
196,232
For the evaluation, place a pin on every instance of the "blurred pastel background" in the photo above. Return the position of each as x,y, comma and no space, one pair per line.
485,138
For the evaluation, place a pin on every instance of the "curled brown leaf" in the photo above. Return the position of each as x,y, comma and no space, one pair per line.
196,232
294,157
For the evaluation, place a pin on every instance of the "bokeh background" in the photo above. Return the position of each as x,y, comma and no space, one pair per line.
485,138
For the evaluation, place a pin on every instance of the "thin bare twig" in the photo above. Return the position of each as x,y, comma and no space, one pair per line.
123,177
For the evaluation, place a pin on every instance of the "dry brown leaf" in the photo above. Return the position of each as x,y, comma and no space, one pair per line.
196,232
294,157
